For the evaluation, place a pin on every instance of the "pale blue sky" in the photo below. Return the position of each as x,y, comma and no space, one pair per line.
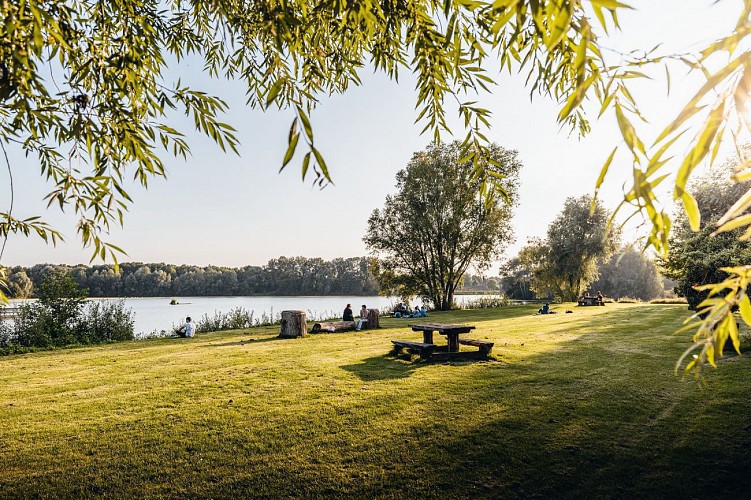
222,209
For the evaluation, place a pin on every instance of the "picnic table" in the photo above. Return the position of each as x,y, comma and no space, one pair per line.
428,350
451,332
590,301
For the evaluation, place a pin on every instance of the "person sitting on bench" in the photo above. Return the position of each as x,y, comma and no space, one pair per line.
363,317
348,316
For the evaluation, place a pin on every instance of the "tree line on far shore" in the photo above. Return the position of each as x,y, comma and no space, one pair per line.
281,276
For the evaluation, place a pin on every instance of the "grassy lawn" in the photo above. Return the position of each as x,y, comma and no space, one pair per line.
577,405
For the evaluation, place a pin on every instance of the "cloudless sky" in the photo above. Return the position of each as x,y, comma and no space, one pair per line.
228,210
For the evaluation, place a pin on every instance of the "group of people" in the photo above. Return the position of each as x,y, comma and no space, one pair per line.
586,296
348,316
401,311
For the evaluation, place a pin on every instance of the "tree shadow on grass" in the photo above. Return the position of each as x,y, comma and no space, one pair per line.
384,367
243,342
392,366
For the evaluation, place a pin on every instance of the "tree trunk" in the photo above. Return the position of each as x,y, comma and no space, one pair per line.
293,324
374,319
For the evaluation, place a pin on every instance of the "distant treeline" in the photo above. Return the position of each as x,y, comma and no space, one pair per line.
282,276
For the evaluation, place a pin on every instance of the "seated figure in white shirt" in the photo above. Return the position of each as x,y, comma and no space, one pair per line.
188,329
363,317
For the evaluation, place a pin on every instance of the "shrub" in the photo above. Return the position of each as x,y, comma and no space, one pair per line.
105,321
670,300
486,302
235,319
628,300
61,317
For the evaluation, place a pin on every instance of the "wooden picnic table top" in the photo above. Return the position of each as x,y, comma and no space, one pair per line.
443,329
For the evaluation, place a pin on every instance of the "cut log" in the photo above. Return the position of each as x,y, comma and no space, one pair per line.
333,327
293,324
374,319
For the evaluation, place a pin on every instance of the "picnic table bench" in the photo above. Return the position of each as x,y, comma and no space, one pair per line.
424,350
485,347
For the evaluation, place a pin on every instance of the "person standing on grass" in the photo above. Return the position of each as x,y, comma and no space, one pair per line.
348,316
363,317
188,330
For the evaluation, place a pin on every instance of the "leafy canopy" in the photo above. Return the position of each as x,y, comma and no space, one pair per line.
83,83
437,224
565,263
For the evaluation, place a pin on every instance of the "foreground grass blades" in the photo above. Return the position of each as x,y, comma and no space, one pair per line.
576,405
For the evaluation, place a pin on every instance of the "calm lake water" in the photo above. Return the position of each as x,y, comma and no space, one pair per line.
154,314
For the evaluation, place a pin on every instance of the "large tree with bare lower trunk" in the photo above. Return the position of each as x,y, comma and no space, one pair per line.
438,223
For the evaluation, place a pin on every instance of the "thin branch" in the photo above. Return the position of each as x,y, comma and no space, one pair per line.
10,209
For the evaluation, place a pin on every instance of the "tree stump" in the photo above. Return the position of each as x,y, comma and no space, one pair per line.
293,324
374,319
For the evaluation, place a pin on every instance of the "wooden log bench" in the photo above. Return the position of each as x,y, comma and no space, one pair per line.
423,349
333,327
485,347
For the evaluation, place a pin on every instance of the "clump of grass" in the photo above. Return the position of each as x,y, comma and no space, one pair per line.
669,300
628,300
489,302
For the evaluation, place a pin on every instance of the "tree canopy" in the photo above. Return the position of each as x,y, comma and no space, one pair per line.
699,258
565,263
629,274
437,224
280,276
84,85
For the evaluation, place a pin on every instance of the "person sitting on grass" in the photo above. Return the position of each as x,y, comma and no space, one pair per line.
401,311
188,330
544,309
423,311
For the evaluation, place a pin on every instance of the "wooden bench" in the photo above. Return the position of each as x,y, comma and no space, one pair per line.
485,347
423,349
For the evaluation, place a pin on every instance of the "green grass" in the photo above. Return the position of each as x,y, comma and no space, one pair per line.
576,405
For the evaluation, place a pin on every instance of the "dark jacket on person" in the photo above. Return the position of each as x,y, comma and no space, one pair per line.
348,314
